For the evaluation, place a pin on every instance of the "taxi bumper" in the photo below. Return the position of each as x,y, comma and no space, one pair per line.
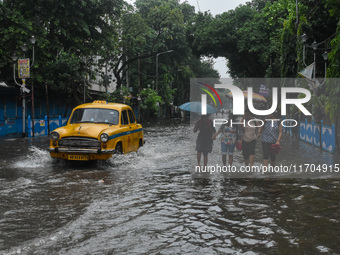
87,154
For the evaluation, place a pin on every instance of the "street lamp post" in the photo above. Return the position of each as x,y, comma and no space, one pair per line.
32,40
304,39
314,46
157,65
139,100
325,58
23,85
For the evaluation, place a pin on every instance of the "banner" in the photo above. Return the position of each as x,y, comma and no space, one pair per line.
308,72
264,91
24,68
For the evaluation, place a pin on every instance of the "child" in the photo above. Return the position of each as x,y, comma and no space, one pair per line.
228,139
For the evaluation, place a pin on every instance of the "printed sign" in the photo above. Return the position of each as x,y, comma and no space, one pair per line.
264,91
24,68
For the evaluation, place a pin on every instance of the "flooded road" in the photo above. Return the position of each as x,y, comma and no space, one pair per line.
150,203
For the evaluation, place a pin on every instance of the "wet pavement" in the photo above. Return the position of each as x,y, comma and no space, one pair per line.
150,202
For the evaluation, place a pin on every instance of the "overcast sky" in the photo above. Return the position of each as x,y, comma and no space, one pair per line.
215,7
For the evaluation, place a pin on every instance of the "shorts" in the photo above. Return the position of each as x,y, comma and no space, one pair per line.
267,152
248,148
227,148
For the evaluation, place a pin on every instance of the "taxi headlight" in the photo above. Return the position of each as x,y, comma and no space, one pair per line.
104,137
54,136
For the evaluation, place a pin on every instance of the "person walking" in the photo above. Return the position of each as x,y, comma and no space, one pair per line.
204,141
271,132
228,139
249,136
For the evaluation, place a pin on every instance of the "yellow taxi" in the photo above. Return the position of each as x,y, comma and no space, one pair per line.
96,131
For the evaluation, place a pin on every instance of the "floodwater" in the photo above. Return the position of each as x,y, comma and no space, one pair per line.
151,203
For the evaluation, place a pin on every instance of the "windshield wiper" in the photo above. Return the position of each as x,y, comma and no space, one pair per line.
103,122
85,121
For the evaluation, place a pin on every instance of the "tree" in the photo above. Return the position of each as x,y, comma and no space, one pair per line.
78,29
333,89
143,34
236,35
150,100
165,24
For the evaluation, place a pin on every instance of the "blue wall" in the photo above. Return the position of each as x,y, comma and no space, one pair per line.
11,110
310,132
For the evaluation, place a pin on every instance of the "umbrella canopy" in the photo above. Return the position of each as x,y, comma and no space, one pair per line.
196,107
256,97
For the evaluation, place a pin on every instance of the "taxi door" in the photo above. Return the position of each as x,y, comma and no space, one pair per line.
127,134
134,134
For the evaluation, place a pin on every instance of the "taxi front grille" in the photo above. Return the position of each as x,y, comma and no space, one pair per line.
79,142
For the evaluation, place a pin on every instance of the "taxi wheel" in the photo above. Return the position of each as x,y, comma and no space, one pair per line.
140,143
119,148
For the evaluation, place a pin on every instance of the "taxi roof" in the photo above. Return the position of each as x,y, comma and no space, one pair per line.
103,104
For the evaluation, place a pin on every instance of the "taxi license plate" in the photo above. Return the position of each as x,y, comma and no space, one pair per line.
78,157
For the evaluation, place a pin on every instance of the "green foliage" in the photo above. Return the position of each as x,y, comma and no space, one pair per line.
69,33
334,7
332,104
150,100
334,56
77,39
121,95
241,35
166,90
332,86
164,27
262,39
259,39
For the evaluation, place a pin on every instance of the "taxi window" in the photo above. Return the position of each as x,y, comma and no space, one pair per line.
124,118
95,115
132,117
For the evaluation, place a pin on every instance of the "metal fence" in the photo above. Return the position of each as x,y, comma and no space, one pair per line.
41,127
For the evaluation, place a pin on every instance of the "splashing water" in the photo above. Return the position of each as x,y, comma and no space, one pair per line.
34,159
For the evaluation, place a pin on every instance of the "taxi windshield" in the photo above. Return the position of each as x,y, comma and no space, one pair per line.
95,115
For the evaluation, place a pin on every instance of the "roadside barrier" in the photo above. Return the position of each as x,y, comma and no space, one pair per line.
319,135
41,127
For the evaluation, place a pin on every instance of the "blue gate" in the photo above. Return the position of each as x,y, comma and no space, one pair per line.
41,127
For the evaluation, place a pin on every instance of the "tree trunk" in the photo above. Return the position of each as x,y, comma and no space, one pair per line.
118,80
76,98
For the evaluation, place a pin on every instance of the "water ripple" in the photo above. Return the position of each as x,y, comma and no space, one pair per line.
150,203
